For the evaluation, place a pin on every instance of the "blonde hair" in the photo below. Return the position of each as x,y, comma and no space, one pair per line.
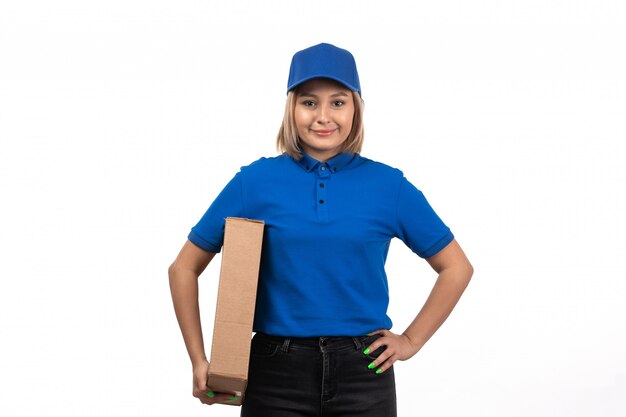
288,140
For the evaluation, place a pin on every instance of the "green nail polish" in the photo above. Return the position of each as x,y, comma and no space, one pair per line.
371,365
210,394
366,351
232,398
379,370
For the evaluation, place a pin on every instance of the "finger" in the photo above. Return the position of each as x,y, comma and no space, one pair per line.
206,395
224,398
201,390
376,344
205,398
217,397
386,365
207,401
380,360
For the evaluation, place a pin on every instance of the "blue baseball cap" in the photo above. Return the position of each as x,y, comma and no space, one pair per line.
324,61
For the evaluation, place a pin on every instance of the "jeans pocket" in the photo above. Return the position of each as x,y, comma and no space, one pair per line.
367,341
262,349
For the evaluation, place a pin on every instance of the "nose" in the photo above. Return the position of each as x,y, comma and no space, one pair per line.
322,115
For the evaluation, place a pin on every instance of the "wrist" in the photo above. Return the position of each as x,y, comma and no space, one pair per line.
198,361
415,343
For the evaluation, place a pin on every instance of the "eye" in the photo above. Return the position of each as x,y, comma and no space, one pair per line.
308,103
338,103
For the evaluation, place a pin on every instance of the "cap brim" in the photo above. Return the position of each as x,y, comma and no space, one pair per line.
350,87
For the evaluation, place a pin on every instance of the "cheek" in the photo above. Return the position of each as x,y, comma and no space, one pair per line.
298,121
348,117
348,120
301,125
300,118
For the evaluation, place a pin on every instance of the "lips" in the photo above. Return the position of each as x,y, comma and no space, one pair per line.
324,132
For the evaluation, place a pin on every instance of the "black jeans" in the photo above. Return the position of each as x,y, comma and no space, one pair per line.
316,377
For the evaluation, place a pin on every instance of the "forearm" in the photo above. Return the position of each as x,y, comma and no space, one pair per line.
184,289
444,296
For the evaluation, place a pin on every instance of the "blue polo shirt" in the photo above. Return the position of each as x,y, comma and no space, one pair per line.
328,226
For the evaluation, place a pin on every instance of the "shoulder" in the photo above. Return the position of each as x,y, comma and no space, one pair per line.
380,168
265,164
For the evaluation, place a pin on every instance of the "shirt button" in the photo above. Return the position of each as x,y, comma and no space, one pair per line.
335,169
321,201
321,185
323,168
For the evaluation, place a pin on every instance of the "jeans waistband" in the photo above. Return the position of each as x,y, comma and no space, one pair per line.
326,342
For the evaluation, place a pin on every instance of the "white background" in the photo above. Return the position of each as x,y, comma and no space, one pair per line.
120,121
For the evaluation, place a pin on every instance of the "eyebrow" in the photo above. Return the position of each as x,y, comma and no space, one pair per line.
337,94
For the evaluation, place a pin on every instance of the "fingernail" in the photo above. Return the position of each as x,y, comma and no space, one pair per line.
366,351
369,334
210,394
379,370
232,398
371,365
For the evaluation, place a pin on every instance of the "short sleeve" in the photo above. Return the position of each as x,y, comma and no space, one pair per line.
208,233
418,226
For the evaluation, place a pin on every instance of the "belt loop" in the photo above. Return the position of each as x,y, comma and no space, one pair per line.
285,347
357,343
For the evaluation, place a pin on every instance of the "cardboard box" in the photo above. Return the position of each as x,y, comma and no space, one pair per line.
236,299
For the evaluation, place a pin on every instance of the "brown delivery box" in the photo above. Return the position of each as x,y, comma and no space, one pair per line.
236,298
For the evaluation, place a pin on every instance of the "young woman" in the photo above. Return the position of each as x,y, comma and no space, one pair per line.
323,345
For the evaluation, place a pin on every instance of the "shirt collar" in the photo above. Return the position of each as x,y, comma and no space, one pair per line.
336,163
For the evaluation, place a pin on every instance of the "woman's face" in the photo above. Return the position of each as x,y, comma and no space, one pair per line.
323,114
